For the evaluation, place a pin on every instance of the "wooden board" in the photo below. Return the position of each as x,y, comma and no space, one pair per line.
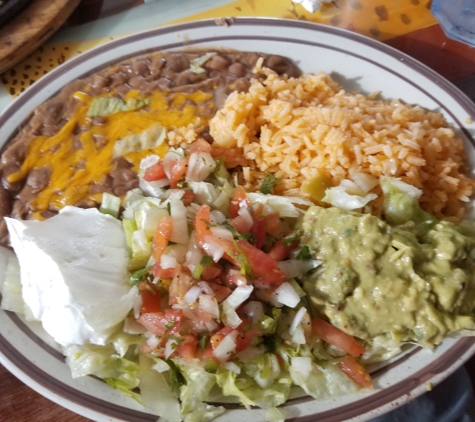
31,28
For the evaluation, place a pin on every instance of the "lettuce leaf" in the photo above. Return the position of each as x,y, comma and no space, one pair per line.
156,392
106,106
103,362
401,204
150,138
197,389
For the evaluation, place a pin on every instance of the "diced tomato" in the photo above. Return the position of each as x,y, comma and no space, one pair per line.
238,201
211,272
180,284
355,371
188,347
244,339
210,361
236,278
258,231
233,157
336,337
273,224
241,224
225,330
257,209
265,268
200,145
280,252
160,323
151,298
178,171
162,237
155,172
216,339
188,197
202,317
220,292
158,271
202,223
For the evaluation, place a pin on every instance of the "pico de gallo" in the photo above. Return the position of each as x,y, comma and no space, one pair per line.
220,304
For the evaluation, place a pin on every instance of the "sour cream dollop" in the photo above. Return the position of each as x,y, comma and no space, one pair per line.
74,273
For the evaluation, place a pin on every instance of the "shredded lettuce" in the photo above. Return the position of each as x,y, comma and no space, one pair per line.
110,204
401,203
12,299
195,64
150,138
107,106
348,196
324,382
197,389
156,392
284,205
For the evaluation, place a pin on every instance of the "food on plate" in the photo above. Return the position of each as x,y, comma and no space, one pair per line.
311,135
244,232
45,167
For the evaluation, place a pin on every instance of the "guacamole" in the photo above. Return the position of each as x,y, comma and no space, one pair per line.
382,280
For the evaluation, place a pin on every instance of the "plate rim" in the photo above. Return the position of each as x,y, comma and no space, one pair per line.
415,65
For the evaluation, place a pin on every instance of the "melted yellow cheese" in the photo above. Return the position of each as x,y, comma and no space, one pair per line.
76,167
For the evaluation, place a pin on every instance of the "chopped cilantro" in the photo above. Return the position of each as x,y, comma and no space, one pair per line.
140,275
169,325
176,339
269,183
291,238
304,253
203,341
176,376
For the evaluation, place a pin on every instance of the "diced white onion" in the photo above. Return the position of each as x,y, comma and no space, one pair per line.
170,347
299,335
160,366
191,296
222,233
137,305
231,366
154,188
230,304
286,295
296,267
226,347
302,365
149,161
211,325
297,320
205,288
209,305
254,310
152,341
179,232
217,217
238,296
237,278
167,261
200,166
246,214
213,248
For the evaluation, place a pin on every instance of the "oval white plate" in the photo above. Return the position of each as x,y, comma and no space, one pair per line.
357,63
